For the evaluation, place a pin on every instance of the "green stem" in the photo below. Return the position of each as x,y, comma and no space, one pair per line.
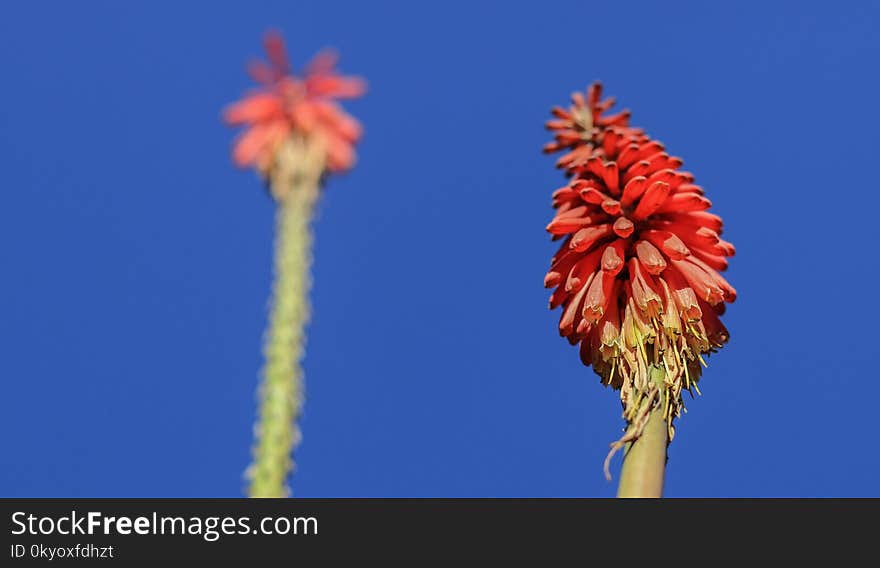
644,463
295,182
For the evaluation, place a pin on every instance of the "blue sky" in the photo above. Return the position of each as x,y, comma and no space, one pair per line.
137,259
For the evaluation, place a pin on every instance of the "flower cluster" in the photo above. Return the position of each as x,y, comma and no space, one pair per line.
286,105
637,275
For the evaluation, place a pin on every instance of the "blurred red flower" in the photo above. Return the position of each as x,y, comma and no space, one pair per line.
285,105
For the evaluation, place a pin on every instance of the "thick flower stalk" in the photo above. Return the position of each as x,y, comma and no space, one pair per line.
637,274
294,134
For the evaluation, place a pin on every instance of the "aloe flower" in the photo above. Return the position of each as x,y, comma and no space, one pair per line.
637,274
295,133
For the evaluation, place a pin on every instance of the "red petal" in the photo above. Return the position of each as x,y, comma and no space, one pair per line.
646,297
335,86
581,270
566,225
633,190
594,93
249,145
557,124
715,330
701,281
619,119
638,169
649,149
254,108
585,238
628,156
650,257
671,317
598,295
685,187
682,202
277,55
303,117
715,262
338,120
612,178
323,62
596,167
667,242
663,161
613,257
560,112
558,297
586,352
697,219
609,143
729,291
654,197
593,195
704,238
561,265
728,248
609,327
572,312
684,295
623,227
571,210
666,176
563,194
260,72
340,153
611,206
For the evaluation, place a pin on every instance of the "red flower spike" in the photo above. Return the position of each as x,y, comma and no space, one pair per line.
637,272
286,105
